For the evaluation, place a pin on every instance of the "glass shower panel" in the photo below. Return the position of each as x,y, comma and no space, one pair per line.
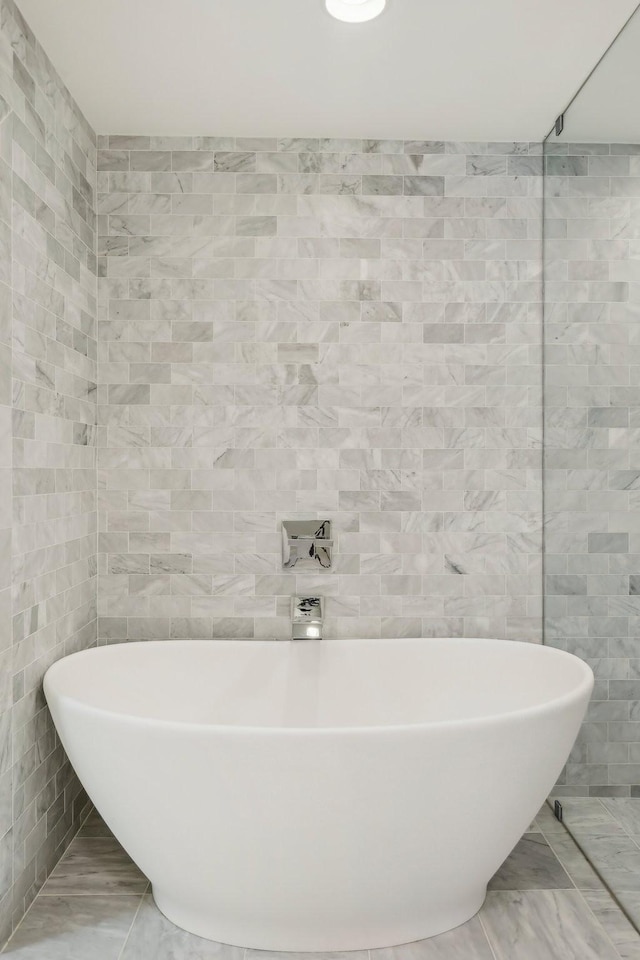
591,475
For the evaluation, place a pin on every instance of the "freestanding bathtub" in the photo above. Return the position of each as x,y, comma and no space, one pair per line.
314,795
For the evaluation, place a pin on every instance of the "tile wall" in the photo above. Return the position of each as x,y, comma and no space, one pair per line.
47,447
337,329
592,476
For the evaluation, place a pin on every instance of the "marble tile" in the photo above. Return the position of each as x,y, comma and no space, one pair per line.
269,955
95,865
361,280
74,928
618,928
630,902
545,821
153,937
585,813
573,861
531,866
610,829
617,860
543,925
625,811
94,826
467,942
48,417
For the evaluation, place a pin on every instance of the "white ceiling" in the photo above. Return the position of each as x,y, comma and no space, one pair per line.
436,69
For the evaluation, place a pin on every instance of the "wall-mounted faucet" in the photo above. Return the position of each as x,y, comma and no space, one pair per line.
306,618
306,543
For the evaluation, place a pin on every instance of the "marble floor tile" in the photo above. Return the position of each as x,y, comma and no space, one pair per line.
523,918
604,831
95,865
568,853
586,811
628,951
468,942
618,928
153,937
74,928
546,822
543,925
630,900
532,865
617,860
625,811
292,955
589,815
94,826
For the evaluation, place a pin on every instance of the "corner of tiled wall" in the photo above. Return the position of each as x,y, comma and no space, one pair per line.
47,447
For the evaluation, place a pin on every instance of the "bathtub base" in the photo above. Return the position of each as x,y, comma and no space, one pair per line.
315,797
359,934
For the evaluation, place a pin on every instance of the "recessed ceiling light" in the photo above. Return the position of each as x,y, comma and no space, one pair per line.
355,11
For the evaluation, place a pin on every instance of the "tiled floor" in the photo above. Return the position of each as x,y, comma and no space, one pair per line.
545,903
608,830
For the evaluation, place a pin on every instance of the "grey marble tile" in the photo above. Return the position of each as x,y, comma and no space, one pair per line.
630,901
628,951
625,811
610,829
573,861
48,346
94,826
95,865
467,942
617,860
543,925
618,928
589,816
269,955
532,865
153,937
74,928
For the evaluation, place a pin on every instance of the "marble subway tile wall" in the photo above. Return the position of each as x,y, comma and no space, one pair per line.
48,514
337,329
592,475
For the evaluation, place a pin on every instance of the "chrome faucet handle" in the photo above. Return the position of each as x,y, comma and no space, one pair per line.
306,618
306,543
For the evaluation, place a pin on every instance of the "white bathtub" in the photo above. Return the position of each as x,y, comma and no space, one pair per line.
313,795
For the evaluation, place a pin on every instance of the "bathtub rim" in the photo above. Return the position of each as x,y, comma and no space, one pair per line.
574,695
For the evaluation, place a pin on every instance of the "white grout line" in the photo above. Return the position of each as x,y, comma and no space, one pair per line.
487,937
135,917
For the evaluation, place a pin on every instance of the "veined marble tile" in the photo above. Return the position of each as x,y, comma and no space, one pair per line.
573,861
617,860
74,928
626,812
153,936
618,928
543,925
467,942
94,826
586,814
531,866
95,865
